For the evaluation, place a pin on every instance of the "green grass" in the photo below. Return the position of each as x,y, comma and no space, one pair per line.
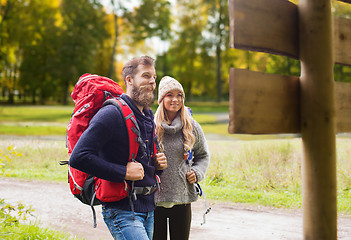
206,107
39,159
203,107
253,172
53,120
31,231
34,120
264,170
30,130
251,197
59,114
260,172
268,173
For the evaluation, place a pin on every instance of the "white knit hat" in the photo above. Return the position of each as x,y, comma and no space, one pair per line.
168,84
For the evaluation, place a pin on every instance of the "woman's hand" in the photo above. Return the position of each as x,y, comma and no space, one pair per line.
160,161
191,177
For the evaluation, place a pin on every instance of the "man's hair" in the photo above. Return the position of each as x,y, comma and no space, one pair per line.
130,67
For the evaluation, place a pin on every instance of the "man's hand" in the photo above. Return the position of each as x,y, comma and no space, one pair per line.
160,161
135,171
191,177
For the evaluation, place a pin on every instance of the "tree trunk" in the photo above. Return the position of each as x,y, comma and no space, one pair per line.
65,93
12,77
33,97
11,99
219,75
219,51
112,73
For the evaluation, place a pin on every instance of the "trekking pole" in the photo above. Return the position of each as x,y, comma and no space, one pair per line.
208,209
188,156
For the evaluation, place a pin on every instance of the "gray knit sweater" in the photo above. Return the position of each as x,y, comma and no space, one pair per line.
174,187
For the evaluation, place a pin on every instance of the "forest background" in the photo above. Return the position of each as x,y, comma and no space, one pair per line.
45,45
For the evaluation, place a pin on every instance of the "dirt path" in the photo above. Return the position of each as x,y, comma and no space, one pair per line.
56,207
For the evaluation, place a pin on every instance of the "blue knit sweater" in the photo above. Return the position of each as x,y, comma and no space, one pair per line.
103,150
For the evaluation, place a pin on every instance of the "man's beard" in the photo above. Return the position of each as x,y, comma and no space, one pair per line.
142,96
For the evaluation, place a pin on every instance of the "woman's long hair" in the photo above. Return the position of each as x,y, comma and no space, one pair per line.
187,122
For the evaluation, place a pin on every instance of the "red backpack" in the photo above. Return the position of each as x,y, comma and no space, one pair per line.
90,93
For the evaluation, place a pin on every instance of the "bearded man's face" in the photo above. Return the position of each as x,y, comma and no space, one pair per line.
143,86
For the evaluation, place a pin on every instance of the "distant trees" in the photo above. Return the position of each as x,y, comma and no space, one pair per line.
45,45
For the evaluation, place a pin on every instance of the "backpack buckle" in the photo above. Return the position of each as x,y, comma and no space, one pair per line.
147,190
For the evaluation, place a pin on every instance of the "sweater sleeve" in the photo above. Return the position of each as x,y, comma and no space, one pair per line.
86,156
201,153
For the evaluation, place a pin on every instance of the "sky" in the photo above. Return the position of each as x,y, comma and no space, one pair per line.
128,4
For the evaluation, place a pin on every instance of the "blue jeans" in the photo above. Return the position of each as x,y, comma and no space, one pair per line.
122,226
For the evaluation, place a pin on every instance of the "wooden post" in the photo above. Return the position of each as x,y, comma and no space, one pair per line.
317,120
259,102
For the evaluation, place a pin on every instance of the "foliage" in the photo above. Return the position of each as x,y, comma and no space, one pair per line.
12,215
184,53
32,231
145,25
37,49
5,156
54,42
12,224
45,45
82,34
340,9
7,218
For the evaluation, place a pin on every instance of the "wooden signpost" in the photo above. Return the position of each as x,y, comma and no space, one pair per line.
313,104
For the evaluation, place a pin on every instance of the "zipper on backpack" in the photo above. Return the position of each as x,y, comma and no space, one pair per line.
82,108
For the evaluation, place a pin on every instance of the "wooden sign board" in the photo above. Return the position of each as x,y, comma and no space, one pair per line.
343,107
272,26
262,103
342,41
266,26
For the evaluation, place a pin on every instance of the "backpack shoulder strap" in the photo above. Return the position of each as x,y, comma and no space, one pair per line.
156,147
131,123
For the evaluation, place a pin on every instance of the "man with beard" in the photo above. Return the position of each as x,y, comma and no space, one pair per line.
103,151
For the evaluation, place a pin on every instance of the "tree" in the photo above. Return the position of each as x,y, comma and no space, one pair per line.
155,26
137,24
12,15
81,36
37,70
185,49
218,30
150,19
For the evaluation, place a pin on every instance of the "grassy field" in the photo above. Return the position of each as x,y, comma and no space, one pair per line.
264,170
53,120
